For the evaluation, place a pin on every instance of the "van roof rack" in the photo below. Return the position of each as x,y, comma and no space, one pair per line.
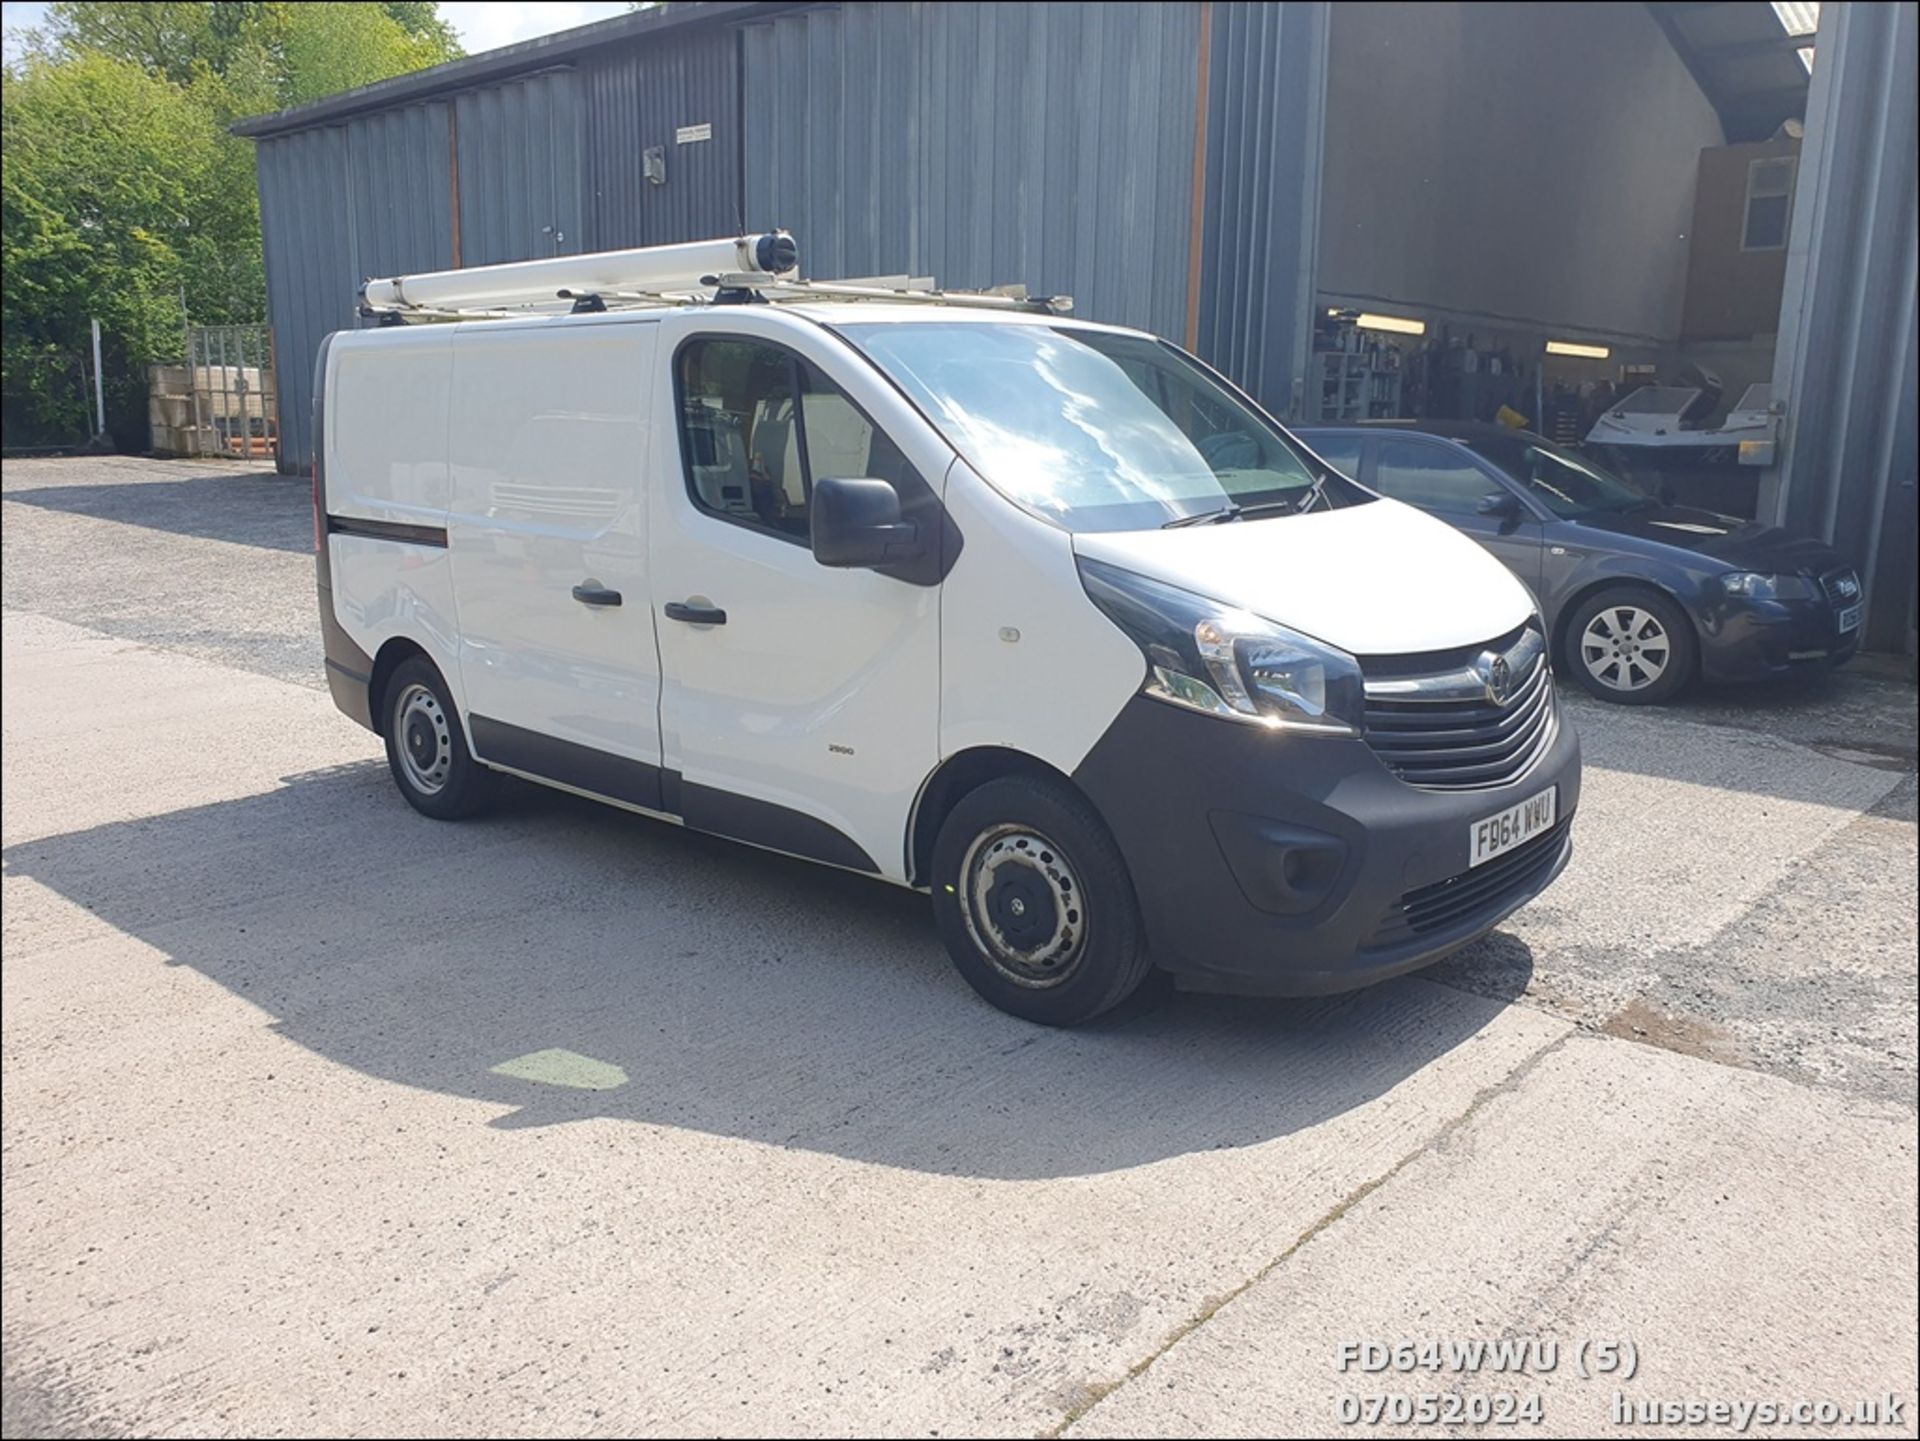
746,269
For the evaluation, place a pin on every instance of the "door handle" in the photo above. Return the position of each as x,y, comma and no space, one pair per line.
696,614
591,592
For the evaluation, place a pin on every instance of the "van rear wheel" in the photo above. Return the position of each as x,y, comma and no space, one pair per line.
1035,904
426,748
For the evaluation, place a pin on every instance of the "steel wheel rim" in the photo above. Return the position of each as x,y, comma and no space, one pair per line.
423,739
1023,906
1625,648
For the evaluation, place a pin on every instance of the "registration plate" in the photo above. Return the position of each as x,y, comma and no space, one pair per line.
1514,826
1848,619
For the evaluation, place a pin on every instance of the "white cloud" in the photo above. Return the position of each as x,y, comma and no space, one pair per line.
489,24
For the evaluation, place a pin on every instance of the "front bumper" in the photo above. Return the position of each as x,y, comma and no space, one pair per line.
1272,862
1760,640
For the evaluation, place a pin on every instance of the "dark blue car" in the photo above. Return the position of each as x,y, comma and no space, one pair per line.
1640,597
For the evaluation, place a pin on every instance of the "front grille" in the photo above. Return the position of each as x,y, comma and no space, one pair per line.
1478,892
1433,722
1842,586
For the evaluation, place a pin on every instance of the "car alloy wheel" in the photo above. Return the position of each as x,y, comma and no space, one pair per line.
1625,648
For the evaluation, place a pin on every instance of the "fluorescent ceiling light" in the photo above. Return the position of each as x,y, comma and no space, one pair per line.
1798,17
1572,347
1397,323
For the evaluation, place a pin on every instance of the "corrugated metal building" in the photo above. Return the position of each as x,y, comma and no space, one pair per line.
1845,361
982,143
1160,162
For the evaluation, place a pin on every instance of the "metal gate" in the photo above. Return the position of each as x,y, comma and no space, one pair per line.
222,402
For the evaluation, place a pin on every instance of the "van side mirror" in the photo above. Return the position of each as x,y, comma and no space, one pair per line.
856,523
1500,504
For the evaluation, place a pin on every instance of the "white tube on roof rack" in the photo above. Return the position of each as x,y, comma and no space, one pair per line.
657,268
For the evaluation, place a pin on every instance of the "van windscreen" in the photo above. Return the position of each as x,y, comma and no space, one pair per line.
1093,429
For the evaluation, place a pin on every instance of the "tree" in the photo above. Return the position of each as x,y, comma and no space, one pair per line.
329,47
268,52
124,191
166,39
118,195
422,20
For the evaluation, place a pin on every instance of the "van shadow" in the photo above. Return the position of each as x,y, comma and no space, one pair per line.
565,962
259,508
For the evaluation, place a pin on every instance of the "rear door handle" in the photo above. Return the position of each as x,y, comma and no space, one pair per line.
696,614
591,592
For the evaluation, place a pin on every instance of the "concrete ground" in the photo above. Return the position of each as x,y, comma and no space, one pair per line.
323,1118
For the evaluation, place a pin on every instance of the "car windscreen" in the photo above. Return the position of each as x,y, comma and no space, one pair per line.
1565,483
1095,430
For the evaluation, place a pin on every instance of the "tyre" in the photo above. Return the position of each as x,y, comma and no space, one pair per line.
1631,645
1035,904
426,748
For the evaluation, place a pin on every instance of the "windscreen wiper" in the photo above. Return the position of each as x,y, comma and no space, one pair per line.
1238,511
1314,492
1288,505
1205,517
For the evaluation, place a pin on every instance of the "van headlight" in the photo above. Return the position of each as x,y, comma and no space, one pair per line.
1228,662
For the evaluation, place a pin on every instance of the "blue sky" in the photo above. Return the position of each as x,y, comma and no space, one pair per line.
483,24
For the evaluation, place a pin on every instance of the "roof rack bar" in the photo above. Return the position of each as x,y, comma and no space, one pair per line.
656,297
836,290
435,312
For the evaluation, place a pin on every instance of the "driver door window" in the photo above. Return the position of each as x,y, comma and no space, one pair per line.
1435,478
759,424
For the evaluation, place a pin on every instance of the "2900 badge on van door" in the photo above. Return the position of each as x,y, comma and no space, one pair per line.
1511,827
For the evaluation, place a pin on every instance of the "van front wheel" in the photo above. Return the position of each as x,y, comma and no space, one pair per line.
426,748
1035,904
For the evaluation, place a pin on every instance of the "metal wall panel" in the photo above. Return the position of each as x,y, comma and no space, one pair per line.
308,237
400,163
982,144
1846,356
338,204
522,169
1265,120
637,97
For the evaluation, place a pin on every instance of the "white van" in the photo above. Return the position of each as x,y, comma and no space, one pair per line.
1042,617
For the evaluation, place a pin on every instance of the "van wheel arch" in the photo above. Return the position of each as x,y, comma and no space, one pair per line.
956,776
392,655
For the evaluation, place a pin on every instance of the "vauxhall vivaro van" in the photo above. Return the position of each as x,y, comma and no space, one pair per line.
1043,617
